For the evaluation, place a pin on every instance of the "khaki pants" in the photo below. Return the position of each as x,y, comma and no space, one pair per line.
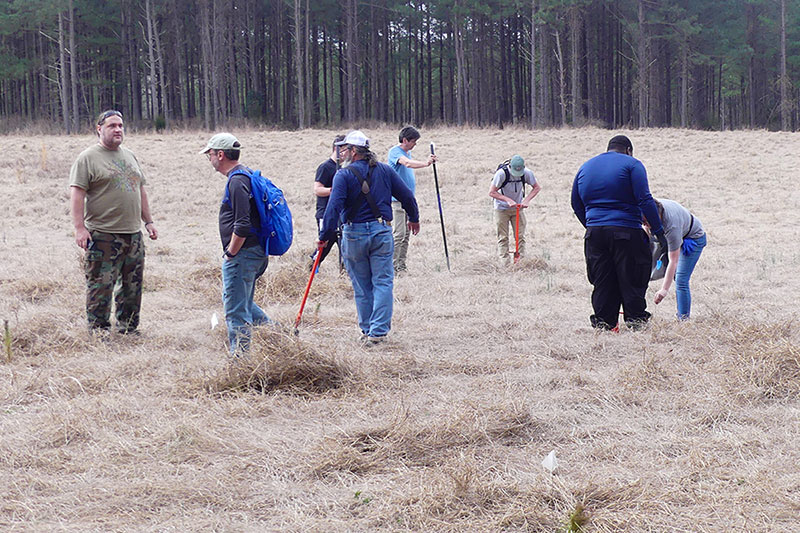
503,219
401,235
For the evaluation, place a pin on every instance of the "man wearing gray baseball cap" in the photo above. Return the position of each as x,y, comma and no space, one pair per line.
243,258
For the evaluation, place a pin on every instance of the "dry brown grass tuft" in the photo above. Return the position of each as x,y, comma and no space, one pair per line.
287,282
530,264
279,361
767,357
46,336
410,442
36,290
462,494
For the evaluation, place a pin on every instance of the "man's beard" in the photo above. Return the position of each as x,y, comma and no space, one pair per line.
347,160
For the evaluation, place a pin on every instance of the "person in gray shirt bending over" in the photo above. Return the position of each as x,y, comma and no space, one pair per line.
507,189
686,239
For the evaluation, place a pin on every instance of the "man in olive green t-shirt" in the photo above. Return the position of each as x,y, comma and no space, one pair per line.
108,204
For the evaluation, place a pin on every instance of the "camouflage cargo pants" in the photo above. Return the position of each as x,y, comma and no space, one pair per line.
114,259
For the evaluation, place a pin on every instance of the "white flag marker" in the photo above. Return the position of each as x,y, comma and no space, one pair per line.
550,462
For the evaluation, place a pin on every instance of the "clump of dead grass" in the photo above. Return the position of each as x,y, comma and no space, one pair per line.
462,491
287,283
648,373
491,265
278,361
767,358
413,443
46,335
36,290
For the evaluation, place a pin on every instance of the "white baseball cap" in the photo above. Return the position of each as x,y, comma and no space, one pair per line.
355,138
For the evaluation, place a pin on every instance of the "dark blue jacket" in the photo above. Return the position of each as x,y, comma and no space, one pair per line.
346,190
611,189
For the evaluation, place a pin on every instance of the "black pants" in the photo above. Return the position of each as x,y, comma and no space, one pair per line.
618,265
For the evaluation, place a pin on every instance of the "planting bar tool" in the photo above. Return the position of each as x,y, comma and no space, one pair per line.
308,288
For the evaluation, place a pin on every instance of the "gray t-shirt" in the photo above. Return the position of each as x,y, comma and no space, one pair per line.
677,221
513,188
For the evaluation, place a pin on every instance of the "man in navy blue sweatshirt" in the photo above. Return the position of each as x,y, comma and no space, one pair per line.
361,196
609,196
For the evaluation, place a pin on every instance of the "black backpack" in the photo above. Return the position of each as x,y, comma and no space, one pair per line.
509,178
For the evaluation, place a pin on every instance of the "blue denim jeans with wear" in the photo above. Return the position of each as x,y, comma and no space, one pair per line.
368,248
239,275
683,272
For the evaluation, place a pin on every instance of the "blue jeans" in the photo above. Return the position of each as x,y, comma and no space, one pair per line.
239,275
683,272
367,248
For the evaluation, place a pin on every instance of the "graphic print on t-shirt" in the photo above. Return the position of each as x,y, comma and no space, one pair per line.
123,175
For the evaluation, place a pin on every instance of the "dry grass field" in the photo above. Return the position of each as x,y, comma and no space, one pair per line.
691,427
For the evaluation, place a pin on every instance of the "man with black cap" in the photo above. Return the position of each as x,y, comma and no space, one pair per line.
609,196
243,258
361,195
507,189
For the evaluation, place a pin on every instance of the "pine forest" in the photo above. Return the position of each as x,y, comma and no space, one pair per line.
705,64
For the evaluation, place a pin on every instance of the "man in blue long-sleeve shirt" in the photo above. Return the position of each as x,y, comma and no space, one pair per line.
361,196
609,195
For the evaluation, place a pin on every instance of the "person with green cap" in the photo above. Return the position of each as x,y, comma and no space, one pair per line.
508,189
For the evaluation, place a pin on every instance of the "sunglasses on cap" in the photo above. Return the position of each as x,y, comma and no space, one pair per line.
105,114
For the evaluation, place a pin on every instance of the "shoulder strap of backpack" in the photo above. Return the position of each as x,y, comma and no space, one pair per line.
504,165
238,172
364,194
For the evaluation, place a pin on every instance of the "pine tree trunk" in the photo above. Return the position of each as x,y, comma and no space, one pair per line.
298,62
161,75
152,101
561,80
307,66
575,22
685,84
216,61
534,113
642,67
353,93
233,42
208,65
460,82
62,75
180,76
429,69
786,110
73,69
545,117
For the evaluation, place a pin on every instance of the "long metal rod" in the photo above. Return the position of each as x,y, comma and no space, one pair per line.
441,216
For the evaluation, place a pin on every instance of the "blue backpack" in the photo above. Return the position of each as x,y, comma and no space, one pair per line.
275,230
